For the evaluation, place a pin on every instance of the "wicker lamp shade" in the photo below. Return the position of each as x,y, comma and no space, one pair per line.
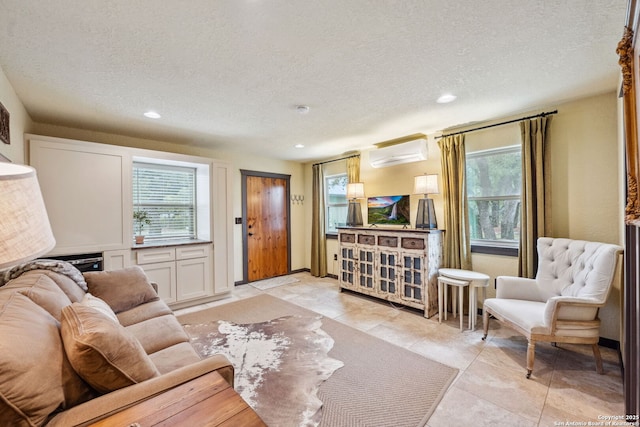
25,232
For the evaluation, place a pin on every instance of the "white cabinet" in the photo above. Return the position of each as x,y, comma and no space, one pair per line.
164,275
116,260
397,265
85,187
183,273
193,271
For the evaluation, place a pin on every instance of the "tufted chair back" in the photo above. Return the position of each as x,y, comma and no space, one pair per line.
575,268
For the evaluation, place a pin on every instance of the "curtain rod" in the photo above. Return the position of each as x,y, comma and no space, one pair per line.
336,160
499,124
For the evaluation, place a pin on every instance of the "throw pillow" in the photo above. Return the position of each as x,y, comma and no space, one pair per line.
37,378
43,291
121,289
95,302
103,352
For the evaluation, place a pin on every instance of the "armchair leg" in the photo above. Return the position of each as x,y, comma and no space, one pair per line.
485,323
531,355
596,353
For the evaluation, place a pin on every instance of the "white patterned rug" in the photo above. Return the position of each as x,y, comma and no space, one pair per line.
273,282
279,364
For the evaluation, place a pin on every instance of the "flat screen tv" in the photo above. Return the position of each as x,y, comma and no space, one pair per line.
388,210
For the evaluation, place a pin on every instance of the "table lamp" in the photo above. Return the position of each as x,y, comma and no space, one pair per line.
25,232
426,184
355,191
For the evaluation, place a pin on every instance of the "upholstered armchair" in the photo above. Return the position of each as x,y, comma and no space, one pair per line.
561,304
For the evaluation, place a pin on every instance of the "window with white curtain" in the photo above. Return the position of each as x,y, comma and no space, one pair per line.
335,194
494,179
168,195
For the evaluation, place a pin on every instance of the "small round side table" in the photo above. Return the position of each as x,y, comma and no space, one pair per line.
474,280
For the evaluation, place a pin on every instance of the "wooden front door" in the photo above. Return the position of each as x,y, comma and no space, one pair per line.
266,225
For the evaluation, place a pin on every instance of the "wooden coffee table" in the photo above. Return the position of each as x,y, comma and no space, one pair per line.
205,401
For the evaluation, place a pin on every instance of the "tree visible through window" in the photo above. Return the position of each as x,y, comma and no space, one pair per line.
335,194
167,194
494,180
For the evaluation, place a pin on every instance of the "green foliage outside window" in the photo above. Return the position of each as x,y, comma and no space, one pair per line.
336,201
494,179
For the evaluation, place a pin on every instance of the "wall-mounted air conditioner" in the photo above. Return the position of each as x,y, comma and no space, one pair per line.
402,150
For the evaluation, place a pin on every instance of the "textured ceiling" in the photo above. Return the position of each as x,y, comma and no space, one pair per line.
229,73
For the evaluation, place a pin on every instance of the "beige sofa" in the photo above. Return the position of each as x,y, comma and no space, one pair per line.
65,359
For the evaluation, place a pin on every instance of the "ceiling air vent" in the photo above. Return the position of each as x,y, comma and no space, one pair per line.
412,148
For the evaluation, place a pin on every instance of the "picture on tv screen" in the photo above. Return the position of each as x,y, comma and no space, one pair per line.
388,210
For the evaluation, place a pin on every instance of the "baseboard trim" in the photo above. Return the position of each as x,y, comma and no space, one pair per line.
300,270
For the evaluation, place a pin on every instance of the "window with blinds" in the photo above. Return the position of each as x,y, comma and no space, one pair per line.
168,195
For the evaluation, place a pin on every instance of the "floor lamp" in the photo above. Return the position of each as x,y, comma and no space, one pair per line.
25,232
426,184
355,191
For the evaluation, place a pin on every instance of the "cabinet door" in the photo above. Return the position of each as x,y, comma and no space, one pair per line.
387,273
366,268
164,274
194,278
413,277
347,267
116,260
84,187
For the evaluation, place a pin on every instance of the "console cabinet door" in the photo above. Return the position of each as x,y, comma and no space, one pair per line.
413,274
388,274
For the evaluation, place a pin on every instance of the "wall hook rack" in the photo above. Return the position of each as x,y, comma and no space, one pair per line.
297,199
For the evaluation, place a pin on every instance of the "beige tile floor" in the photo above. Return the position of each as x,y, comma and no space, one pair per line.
491,388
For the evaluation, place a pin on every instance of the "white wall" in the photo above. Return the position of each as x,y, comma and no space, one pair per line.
19,121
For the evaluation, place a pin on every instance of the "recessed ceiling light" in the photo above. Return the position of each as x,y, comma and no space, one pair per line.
152,115
302,109
299,146
447,97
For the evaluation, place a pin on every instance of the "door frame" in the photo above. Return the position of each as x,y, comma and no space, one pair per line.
245,244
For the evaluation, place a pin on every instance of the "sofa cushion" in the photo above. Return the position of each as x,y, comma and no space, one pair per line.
145,311
44,292
102,351
100,305
174,357
121,289
36,376
158,333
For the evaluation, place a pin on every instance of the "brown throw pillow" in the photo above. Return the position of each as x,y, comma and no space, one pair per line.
101,351
121,289
36,377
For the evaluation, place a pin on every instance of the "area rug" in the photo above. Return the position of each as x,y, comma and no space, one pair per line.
273,282
284,359
380,384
